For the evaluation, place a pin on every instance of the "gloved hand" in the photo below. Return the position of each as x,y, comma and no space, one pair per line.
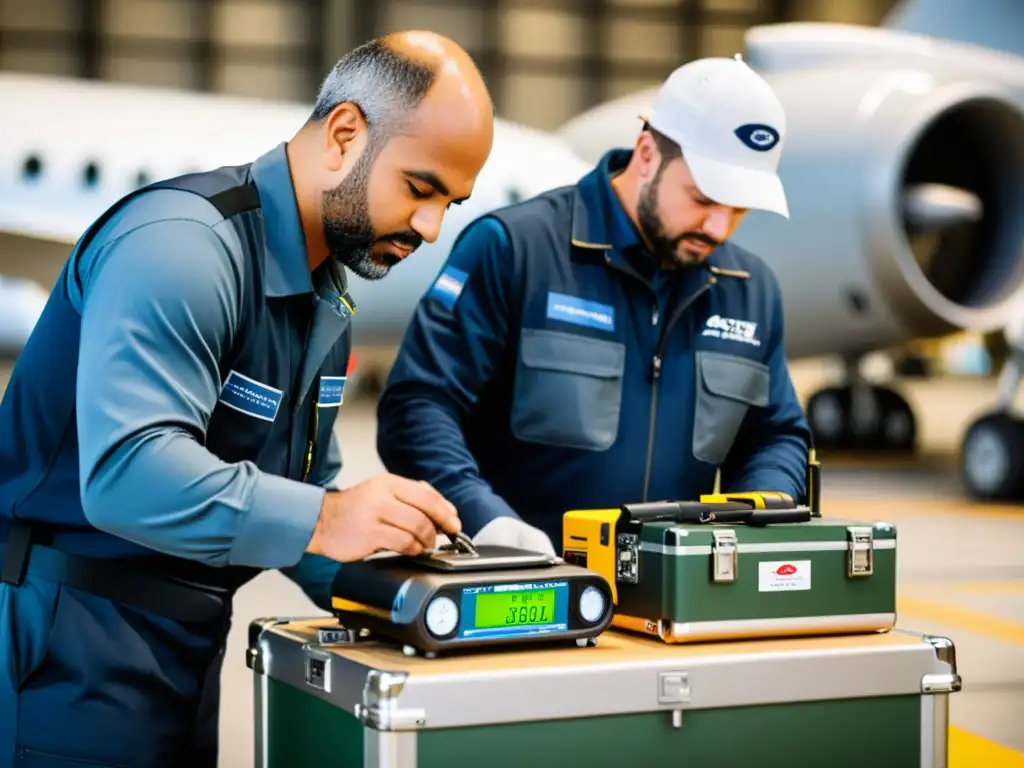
513,532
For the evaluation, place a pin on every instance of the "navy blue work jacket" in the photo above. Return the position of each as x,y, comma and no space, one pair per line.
552,366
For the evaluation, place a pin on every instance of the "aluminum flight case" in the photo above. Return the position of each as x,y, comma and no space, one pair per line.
877,699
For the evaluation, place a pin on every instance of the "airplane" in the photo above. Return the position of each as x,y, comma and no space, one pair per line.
877,201
55,182
904,169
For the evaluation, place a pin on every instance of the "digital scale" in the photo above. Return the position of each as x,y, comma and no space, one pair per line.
450,599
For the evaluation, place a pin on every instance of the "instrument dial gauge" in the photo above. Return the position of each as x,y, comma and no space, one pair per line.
592,603
442,616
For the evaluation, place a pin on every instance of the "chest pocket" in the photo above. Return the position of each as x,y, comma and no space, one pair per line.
568,390
727,386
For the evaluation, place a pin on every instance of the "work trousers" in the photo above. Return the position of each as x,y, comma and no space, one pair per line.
85,681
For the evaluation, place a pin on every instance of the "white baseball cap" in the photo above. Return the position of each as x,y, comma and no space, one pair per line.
730,126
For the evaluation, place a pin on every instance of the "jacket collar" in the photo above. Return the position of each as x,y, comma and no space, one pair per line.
287,269
599,221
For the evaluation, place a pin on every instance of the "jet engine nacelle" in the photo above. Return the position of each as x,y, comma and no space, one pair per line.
905,188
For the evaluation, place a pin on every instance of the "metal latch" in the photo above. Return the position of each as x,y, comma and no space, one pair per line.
627,567
723,556
318,669
335,636
860,556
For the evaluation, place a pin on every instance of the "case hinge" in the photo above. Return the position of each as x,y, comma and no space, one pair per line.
860,551
723,556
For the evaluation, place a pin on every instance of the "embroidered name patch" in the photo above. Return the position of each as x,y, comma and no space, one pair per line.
448,286
570,309
250,397
332,391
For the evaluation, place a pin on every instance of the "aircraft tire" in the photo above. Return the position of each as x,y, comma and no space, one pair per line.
992,458
897,427
829,414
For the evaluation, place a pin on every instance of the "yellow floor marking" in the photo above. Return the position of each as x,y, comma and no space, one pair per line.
894,508
968,750
992,587
972,621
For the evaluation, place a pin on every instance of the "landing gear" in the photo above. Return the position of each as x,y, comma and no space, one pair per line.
992,453
992,458
859,416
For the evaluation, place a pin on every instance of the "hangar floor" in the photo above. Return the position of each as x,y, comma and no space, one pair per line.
961,573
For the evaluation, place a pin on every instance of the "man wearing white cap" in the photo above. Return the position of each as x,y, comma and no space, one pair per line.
604,343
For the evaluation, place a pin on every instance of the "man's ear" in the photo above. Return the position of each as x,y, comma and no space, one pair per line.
646,153
344,128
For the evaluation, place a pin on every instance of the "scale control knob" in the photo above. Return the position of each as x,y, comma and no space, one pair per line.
442,616
592,603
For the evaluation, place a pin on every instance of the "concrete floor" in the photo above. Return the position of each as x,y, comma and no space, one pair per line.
961,572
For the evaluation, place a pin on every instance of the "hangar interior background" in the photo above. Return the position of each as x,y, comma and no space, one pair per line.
545,60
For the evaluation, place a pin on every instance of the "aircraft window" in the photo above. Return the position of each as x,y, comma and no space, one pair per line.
142,179
91,175
514,196
857,300
32,167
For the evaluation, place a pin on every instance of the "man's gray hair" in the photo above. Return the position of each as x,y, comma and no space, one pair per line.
385,86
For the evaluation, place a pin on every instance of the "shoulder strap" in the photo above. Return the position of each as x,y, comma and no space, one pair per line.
229,189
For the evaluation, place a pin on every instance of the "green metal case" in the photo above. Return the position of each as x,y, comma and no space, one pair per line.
844,702
696,582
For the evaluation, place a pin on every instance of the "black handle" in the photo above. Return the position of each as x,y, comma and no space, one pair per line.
773,516
712,512
677,511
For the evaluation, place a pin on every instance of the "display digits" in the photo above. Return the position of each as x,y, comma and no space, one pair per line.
524,614
515,609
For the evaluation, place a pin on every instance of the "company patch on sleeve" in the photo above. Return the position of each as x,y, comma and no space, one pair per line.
332,391
570,309
250,397
448,286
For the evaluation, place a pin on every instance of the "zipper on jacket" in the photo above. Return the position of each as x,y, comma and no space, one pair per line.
656,376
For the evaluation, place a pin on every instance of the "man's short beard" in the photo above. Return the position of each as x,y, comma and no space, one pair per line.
345,212
664,248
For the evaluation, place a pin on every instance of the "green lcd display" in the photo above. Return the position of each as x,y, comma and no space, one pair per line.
515,609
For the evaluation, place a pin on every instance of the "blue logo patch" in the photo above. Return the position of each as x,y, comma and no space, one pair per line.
332,391
759,138
250,397
448,286
570,309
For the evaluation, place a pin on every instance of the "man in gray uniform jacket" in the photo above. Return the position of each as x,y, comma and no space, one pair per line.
168,429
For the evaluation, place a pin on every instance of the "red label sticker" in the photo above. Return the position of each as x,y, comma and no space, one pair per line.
786,570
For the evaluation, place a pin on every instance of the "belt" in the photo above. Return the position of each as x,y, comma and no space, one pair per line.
112,579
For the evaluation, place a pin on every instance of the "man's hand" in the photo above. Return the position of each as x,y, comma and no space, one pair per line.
385,513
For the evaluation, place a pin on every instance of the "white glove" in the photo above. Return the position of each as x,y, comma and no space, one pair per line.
513,532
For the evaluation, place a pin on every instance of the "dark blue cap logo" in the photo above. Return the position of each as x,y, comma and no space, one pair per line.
759,138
